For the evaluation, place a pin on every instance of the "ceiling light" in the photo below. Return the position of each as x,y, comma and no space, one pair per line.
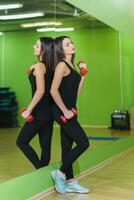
45,29
55,29
64,29
20,16
10,6
35,24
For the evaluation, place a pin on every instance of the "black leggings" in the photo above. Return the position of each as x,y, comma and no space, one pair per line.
70,132
29,130
66,146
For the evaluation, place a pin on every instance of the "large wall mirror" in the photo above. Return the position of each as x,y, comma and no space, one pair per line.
95,42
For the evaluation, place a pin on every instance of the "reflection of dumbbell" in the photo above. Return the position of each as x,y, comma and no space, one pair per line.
64,119
28,119
30,71
83,71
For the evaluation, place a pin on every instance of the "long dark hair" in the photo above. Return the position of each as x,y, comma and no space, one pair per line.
58,50
47,52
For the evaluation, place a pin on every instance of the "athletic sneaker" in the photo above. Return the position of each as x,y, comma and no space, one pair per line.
74,186
59,181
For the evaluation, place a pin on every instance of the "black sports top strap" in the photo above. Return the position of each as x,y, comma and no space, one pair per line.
67,64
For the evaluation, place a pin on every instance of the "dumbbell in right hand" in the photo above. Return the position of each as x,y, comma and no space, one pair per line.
28,119
64,119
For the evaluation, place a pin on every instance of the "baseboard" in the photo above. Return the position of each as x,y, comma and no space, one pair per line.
84,126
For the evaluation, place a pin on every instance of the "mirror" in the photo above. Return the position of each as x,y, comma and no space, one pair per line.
96,43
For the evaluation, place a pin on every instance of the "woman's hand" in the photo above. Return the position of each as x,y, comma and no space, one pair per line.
82,65
26,113
68,114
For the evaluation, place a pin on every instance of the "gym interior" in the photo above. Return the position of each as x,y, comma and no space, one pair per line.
103,35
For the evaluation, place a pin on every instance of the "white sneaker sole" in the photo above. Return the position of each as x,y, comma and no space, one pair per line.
74,191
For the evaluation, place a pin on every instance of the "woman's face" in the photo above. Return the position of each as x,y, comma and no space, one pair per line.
68,47
37,48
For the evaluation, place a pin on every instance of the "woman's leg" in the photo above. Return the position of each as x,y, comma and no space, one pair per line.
26,134
74,131
66,146
45,137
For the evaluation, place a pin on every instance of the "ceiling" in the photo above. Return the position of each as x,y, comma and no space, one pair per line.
56,10
47,6
118,14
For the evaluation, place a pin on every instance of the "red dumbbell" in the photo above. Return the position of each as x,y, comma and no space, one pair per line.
74,111
28,119
83,71
30,71
64,119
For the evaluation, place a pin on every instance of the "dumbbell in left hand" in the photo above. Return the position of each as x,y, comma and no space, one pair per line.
28,119
83,71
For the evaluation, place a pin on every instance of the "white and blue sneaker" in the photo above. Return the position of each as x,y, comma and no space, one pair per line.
59,181
74,186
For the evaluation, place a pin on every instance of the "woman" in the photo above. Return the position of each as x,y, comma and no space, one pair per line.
65,87
40,76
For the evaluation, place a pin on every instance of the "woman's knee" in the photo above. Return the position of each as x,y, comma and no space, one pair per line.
21,142
85,144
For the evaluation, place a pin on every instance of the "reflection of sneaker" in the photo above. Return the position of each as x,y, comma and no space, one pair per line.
76,187
59,181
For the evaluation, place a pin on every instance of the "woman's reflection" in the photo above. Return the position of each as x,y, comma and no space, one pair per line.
38,113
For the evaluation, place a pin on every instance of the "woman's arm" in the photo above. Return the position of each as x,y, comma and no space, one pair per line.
82,65
39,72
80,85
59,73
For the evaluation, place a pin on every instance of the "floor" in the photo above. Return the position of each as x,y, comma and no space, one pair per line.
112,182
13,163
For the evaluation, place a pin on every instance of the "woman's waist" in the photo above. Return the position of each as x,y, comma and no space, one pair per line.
57,108
42,109
69,100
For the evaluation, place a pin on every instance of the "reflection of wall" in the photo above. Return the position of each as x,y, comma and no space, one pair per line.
1,61
18,56
98,47
127,60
